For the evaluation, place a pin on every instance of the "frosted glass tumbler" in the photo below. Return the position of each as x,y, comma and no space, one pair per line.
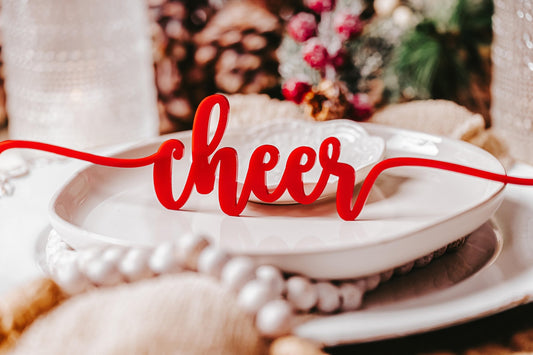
512,78
78,73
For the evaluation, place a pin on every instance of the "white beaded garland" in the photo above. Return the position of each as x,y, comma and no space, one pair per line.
372,282
424,261
163,260
328,297
102,272
112,254
71,280
237,272
386,276
254,295
440,252
351,295
189,248
274,319
273,277
404,269
134,265
301,293
87,255
260,289
211,261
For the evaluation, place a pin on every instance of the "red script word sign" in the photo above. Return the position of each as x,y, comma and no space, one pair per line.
207,157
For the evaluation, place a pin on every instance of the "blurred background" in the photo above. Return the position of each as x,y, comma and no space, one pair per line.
337,59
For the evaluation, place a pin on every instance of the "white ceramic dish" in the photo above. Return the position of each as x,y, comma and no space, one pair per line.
410,304
411,212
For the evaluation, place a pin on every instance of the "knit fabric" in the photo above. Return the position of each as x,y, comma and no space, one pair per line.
178,314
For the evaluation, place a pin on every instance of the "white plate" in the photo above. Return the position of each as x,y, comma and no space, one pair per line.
410,305
411,212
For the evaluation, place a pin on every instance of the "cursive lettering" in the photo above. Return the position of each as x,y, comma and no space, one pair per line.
207,157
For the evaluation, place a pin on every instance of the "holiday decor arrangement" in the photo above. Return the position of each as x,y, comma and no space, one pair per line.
343,59
267,294
350,57
76,268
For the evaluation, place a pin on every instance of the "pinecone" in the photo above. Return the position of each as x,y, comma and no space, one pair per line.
179,81
3,112
327,101
237,49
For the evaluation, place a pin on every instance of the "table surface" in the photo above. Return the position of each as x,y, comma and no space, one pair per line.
24,216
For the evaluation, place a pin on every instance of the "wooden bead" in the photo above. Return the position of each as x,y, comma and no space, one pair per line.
237,272
134,265
254,295
351,295
328,297
301,293
274,319
163,260
211,261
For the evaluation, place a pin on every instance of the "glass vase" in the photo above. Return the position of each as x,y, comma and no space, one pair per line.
78,73
512,82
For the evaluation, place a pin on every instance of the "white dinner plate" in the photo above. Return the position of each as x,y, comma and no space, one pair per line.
452,290
410,213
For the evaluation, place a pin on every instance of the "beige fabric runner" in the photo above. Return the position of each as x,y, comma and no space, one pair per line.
180,314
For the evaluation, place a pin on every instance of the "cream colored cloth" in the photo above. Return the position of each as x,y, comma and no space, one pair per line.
185,314
439,117
444,118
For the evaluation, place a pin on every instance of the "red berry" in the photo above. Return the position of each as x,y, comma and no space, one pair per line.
315,54
320,6
295,90
362,108
302,26
347,25
340,58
